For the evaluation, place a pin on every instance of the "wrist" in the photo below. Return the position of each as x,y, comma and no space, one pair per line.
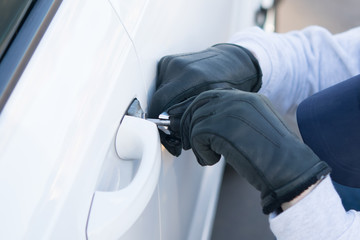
287,205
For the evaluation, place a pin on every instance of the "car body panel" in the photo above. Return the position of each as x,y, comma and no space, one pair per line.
60,120
190,26
59,126
113,213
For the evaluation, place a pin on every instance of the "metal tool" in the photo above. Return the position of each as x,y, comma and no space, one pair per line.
163,122
159,122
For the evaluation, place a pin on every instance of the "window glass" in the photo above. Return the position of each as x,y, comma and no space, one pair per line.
12,13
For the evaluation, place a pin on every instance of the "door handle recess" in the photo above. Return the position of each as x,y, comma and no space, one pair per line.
113,213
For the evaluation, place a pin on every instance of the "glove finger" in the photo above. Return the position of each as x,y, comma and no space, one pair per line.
203,122
175,113
182,76
176,81
202,146
197,106
171,143
203,129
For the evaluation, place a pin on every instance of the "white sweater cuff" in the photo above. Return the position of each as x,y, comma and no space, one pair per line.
320,215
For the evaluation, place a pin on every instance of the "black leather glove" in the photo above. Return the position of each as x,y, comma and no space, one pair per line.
182,77
246,130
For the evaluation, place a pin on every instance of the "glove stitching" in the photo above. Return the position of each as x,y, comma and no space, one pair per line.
194,89
264,100
253,59
258,111
172,57
164,62
186,131
184,66
263,178
254,128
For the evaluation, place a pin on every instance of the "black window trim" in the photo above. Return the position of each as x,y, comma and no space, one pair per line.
15,23
23,46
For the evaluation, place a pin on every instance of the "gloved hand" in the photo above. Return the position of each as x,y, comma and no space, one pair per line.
180,78
246,130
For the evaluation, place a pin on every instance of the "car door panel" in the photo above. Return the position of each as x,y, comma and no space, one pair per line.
60,121
63,171
188,192
113,213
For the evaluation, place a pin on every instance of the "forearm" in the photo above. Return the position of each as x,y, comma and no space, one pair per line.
297,64
286,205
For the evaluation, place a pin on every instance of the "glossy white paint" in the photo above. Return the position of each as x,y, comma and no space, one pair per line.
113,213
58,130
59,123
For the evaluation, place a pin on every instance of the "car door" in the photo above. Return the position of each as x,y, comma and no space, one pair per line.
72,164
187,192
59,128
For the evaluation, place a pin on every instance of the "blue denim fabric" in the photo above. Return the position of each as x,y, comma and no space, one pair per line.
350,196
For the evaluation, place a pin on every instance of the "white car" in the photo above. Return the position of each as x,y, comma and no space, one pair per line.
72,165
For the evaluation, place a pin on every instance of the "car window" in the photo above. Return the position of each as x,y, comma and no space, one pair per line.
12,13
22,24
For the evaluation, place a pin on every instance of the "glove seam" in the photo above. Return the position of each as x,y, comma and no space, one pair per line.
254,105
262,176
195,88
253,127
270,204
170,59
264,99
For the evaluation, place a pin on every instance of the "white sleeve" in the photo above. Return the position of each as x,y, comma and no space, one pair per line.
299,63
320,215
295,65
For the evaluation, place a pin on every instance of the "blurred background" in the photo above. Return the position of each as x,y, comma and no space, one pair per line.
335,15
239,213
